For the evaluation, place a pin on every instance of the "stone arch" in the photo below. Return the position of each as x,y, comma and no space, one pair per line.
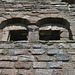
14,26
57,24
8,22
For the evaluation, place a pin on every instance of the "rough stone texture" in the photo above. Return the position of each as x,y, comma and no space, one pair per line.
63,46
43,72
61,57
6,64
55,65
22,65
25,72
9,72
38,51
37,55
26,58
40,65
44,58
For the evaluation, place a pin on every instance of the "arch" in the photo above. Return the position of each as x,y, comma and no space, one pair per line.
56,24
14,21
14,29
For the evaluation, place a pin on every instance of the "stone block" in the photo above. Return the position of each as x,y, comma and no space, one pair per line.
3,51
64,34
6,64
55,51
8,46
59,72
39,65
22,65
73,45
57,65
64,46
67,65
37,46
25,72
71,72
9,72
73,58
43,72
17,51
0,71
23,45
74,37
8,58
25,58
72,51
61,57
44,58
38,51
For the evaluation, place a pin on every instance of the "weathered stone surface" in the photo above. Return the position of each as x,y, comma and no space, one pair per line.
37,46
63,57
9,72
71,72
8,46
71,51
73,57
3,51
44,58
59,72
40,65
0,71
37,51
55,65
52,50
73,45
6,64
64,46
17,51
23,45
43,72
8,58
67,65
64,34
55,51
26,58
22,65
25,72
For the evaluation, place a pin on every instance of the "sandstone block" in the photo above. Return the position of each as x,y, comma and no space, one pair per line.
40,65
61,57
38,51
26,58
55,65
9,72
22,65
44,58
6,64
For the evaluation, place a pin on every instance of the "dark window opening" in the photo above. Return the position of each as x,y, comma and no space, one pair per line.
49,35
18,35
68,1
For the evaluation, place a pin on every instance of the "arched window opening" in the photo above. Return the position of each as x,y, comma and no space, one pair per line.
54,29
18,35
15,29
49,35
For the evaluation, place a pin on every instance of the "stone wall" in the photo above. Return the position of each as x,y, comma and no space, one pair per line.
37,58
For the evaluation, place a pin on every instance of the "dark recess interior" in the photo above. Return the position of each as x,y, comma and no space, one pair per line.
49,35
18,35
68,1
